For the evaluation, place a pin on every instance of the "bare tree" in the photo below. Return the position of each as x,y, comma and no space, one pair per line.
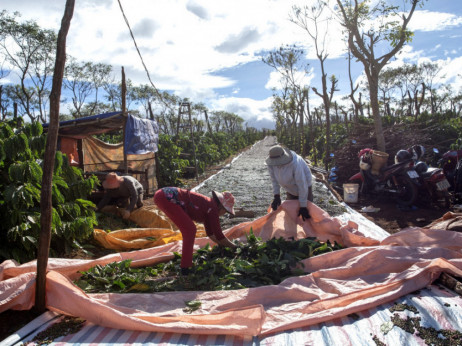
314,19
357,105
84,80
286,61
201,108
389,26
29,51
429,72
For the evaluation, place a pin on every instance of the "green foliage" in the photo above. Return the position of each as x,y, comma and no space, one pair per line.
112,138
170,164
73,216
255,263
177,153
448,136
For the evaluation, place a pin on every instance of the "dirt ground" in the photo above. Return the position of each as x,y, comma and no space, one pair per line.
392,219
247,177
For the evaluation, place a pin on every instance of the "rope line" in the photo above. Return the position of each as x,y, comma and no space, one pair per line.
142,61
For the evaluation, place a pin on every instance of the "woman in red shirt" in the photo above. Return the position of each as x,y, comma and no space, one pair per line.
184,207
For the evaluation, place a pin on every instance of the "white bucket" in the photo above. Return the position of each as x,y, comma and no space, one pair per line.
350,193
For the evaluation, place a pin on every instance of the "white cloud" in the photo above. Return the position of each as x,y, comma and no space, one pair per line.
452,72
274,80
186,43
248,109
433,21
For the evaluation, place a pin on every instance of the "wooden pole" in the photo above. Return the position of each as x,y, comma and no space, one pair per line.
124,112
49,161
192,139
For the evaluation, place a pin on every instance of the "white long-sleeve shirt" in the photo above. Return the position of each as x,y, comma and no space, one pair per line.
295,177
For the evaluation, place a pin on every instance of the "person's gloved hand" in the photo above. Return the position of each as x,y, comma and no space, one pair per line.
303,212
125,214
276,202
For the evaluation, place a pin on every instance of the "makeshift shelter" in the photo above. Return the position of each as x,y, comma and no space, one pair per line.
134,156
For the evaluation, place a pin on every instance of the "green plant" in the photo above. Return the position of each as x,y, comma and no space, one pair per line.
210,148
171,166
73,216
255,263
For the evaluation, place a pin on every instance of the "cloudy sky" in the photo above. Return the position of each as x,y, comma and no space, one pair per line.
210,50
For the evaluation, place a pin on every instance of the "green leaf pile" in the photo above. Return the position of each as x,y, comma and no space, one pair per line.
254,263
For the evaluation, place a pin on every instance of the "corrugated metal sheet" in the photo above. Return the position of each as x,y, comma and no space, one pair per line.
437,307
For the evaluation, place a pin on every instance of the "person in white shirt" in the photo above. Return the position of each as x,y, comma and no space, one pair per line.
290,171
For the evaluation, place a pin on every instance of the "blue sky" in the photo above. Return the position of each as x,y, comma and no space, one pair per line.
210,50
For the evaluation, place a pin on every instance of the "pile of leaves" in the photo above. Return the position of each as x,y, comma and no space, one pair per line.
67,325
254,263
414,325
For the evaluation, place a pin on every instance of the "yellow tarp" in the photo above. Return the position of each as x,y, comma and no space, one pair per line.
155,229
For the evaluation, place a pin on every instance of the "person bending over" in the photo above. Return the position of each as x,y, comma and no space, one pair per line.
290,171
184,207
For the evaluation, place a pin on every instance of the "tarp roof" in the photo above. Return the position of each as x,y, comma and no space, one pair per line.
141,135
91,125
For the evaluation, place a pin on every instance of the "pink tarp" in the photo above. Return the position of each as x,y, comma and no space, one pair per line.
366,274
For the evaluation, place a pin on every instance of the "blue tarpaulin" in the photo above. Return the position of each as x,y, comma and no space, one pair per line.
141,136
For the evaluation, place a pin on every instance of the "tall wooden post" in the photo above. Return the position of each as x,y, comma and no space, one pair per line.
192,139
49,161
301,140
124,112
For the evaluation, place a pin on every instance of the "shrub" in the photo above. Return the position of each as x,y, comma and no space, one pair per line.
73,216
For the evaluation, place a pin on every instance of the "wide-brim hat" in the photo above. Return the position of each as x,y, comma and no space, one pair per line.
226,199
112,181
278,156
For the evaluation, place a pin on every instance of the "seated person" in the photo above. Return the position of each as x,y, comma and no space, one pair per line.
124,191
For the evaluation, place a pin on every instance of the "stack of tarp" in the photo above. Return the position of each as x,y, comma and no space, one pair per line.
367,273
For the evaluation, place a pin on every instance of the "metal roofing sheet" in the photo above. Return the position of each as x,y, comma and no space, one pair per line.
437,307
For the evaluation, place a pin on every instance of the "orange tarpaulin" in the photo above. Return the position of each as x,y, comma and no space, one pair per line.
68,146
366,274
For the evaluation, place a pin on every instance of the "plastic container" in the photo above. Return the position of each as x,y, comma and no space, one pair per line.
379,160
350,193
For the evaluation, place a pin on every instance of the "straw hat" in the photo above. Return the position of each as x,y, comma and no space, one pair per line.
226,199
112,181
278,156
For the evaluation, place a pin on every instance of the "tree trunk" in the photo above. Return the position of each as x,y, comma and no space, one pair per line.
301,132
151,113
207,121
49,160
376,114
